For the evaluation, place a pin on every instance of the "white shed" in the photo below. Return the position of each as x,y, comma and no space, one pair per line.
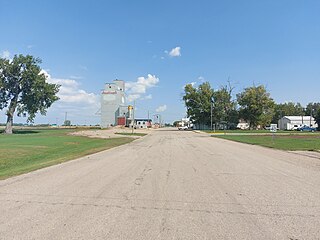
294,122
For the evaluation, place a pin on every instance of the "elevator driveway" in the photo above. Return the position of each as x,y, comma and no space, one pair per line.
168,185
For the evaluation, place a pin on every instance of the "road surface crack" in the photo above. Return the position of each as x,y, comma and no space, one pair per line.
164,208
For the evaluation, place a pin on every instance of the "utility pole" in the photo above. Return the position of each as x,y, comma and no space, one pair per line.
211,116
158,117
133,121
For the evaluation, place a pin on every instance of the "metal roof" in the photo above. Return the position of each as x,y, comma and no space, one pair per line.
298,118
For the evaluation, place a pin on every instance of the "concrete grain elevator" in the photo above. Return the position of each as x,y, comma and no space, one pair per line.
113,108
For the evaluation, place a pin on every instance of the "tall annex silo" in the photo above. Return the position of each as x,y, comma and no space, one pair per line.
113,109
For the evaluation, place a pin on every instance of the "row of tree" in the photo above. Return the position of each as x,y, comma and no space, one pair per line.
209,107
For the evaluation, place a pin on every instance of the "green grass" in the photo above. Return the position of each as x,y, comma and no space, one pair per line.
293,142
28,150
131,134
241,131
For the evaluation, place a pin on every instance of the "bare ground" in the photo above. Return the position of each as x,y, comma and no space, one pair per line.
111,132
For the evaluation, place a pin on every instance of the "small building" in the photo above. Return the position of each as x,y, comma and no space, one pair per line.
294,122
143,123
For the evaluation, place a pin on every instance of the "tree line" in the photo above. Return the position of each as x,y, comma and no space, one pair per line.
217,108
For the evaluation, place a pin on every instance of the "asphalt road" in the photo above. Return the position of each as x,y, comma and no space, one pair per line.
168,185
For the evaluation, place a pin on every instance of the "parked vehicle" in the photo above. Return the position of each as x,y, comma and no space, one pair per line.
306,129
183,127
295,127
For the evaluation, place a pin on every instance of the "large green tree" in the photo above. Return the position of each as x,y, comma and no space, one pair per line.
198,102
317,117
203,103
256,106
23,88
313,109
224,108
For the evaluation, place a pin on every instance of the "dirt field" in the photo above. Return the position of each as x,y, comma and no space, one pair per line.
111,133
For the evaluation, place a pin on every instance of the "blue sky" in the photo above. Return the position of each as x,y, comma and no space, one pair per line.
84,44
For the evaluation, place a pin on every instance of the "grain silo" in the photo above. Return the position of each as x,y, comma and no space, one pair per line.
113,108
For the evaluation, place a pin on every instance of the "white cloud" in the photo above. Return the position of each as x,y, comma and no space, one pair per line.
140,87
132,97
147,97
71,94
175,52
5,54
75,77
161,108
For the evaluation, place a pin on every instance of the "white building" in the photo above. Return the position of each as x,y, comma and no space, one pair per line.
143,123
113,109
294,122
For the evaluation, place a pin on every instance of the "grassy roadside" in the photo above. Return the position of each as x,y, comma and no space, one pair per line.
293,142
242,131
28,150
